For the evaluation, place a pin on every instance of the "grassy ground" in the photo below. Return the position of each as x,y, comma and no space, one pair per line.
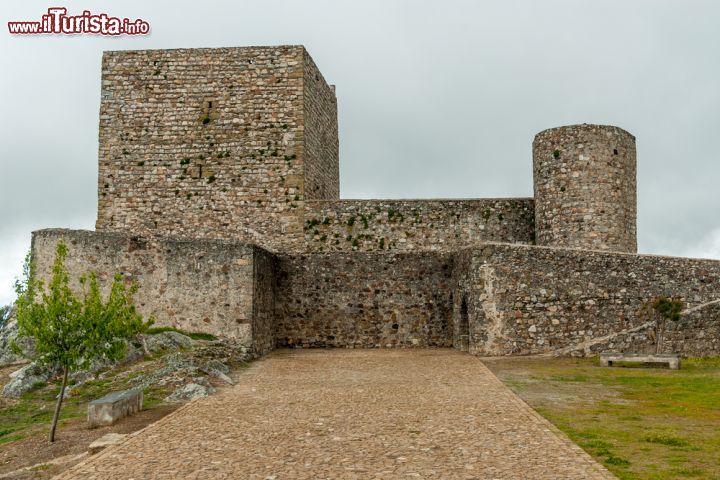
25,422
32,413
641,423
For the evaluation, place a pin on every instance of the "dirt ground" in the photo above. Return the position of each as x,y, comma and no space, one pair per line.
24,422
73,437
557,387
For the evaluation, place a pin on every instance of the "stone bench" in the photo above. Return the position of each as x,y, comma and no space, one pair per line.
608,358
114,406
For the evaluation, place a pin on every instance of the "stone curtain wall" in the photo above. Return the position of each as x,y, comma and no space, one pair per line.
365,300
585,188
416,225
499,299
208,286
211,143
321,153
697,334
527,300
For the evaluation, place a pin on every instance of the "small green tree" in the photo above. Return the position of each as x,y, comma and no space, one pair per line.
71,331
665,309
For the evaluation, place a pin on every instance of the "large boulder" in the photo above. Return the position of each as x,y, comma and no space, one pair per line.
26,379
8,335
189,392
166,341
132,353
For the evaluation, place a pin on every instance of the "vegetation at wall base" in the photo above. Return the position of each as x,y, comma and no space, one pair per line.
70,331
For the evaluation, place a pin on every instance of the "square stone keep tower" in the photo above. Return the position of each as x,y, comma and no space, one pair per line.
215,143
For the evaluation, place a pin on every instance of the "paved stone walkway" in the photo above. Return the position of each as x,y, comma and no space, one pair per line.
351,414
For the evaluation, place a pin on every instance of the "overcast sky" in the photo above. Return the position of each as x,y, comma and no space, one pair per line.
436,99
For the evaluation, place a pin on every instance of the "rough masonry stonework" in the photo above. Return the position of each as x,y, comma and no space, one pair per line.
528,300
365,300
412,225
215,286
215,143
585,188
218,192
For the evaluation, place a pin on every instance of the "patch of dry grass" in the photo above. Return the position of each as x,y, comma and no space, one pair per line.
641,423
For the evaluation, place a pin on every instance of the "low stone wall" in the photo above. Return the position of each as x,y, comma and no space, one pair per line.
416,225
695,334
528,300
218,287
365,300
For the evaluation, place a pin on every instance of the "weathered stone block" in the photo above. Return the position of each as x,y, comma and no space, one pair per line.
114,406
105,441
607,359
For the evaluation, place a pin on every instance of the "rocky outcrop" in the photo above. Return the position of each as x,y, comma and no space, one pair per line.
27,378
190,391
165,341
208,361
8,337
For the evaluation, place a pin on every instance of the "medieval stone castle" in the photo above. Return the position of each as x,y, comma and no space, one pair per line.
218,191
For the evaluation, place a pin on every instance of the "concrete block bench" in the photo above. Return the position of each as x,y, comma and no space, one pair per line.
114,406
672,360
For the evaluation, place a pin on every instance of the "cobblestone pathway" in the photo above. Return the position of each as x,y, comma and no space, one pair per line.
355,414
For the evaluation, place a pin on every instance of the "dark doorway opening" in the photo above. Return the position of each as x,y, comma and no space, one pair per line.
463,332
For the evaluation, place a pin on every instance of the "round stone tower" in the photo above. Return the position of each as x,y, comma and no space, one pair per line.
585,188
